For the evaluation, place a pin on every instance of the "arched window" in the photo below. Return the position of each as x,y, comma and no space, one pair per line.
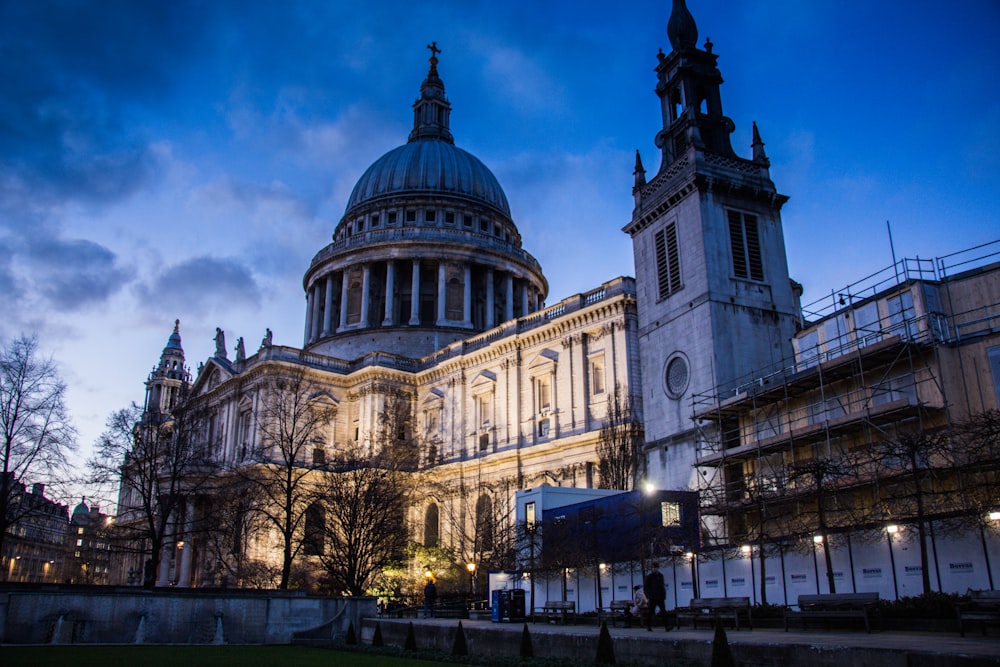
484,523
431,526
315,529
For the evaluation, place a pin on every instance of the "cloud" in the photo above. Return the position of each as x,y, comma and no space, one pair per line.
201,285
73,274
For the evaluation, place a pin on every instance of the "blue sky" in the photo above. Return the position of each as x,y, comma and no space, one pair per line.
163,160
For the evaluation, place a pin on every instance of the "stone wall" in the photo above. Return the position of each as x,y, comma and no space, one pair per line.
61,615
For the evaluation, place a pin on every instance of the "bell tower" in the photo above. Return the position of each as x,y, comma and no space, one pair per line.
715,300
168,379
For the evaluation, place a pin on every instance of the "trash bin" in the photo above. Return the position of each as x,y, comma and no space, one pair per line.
515,605
498,606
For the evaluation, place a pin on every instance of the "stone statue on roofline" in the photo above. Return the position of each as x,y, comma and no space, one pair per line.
241,352
220,343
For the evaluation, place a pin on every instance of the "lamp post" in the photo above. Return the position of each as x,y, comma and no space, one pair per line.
993,516
747,551
889,532
473,583
817,540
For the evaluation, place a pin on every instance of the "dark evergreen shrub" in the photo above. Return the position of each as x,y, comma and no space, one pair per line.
411,639
605,647
458,646
527,650
722,656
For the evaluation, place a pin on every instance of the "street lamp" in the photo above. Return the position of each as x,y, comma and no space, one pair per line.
817,540
471,567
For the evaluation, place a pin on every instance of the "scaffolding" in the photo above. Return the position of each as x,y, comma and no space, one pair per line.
879,361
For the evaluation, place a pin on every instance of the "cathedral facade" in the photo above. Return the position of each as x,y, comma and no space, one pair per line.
427,299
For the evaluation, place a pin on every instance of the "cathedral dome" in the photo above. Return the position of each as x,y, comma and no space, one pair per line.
426,253
431,168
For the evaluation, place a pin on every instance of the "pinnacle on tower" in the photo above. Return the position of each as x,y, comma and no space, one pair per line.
758,147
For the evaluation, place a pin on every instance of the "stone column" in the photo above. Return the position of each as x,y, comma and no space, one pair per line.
525,286
390,288
163,576
305,334
344,286
315,317
415,295
490,305
328,306
508,306
442,277
366,271
467,297
187,553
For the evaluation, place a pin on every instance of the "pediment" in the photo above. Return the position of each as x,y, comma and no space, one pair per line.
211,375
435,397
484,381
543,361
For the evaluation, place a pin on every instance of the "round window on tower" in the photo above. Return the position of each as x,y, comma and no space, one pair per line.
676,375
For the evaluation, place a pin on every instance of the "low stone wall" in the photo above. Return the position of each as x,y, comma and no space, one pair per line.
66,615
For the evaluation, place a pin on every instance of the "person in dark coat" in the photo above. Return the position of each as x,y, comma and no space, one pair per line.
656,593
430,598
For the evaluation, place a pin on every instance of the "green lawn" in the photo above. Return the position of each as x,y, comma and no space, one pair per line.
193,656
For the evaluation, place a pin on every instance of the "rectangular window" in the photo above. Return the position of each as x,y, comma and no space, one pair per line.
411,216
835,330
543,393
668,266
994,356
467,221
529,515
374,219
866,324
484,442
597,375
902,315
543,428
808,349
670,514
484,225
744,239
390,218
430,216
449,217
483,409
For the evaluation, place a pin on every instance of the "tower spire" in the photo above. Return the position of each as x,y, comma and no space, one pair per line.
431,111
681,28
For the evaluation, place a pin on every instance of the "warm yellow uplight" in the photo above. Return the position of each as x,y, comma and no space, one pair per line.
471,567
994,515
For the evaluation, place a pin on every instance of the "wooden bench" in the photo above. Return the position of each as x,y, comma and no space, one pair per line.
832,606
982,606
558,611
711,610
619,610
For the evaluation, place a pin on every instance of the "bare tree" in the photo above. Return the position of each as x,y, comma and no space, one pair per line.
620,439
160,461
818,479
912,461
35,427
358,527
233,521
292,420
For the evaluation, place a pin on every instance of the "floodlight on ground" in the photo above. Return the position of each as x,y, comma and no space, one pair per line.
994,515
892,530
745,549
818,539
